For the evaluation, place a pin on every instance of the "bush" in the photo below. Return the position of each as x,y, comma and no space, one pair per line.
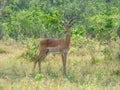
31,49
39,76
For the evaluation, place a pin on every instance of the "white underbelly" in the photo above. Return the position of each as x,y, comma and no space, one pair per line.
56,50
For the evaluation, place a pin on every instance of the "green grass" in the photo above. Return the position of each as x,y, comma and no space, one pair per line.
83,72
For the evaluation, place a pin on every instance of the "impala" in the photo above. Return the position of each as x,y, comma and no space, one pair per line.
53,45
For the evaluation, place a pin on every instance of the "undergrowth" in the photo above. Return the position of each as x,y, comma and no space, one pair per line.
91,67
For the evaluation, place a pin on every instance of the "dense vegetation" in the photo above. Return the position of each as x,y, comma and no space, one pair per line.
94,58
37,18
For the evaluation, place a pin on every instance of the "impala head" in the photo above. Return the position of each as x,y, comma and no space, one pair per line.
68,25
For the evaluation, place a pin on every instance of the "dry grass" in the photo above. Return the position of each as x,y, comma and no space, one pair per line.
16,73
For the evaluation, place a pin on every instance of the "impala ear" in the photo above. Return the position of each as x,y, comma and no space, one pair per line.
71,23
72,20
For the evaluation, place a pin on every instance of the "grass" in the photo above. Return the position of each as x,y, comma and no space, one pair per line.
83,73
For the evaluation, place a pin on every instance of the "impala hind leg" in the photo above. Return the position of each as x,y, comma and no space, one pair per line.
42,57
35,62
39,62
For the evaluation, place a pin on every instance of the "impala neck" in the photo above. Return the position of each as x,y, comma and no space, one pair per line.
68,38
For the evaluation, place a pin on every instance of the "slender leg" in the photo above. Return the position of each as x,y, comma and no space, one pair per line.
42,57
39,62
64,56
35,62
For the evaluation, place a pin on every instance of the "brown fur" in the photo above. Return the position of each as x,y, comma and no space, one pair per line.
54,45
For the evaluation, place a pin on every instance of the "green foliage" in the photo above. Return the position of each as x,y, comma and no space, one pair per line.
108,53
54,75
25,23
39,76
31,22
71,77
95,60
72,50
31,49
24,18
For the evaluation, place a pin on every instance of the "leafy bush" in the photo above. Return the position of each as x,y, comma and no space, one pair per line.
39,76
32,47
36,18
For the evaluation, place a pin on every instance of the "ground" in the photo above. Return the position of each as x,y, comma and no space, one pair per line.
87,69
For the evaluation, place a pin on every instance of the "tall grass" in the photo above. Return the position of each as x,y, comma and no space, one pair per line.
87,69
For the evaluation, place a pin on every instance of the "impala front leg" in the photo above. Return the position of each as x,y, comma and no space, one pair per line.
64,56
39,64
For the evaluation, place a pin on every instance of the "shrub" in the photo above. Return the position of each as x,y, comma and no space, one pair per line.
39,76
31,49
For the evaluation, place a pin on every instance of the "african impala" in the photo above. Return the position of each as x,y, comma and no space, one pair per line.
53,45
